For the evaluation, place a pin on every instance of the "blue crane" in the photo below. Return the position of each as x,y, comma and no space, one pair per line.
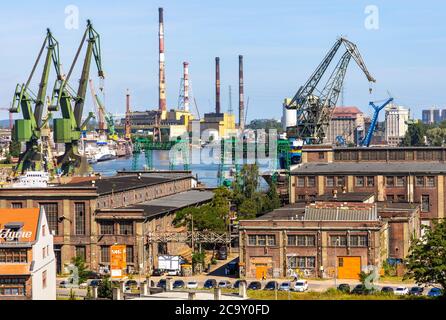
368,137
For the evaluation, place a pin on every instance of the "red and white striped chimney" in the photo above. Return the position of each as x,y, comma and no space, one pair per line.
162,75
186,86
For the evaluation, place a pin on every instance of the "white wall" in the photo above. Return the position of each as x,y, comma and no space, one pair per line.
42,264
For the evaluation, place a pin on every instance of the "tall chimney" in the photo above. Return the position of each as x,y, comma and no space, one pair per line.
217,85
241,110
162,76
186,86
128,129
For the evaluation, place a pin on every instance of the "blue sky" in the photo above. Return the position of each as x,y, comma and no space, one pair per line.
282,43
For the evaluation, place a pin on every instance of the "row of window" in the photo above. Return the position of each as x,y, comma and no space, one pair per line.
301,262
52,215
13,256
394,155
309,240
354,241
365,181
108,228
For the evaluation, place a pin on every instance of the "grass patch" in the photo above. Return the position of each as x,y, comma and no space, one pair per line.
395,279
331,294
6,165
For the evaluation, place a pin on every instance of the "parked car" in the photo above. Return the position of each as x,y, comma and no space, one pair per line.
237,284
285,286
192,284
224,284
95,283
158,272
301,286
222,253
416,291
435,292
173,272
255,285
64,284
400,291
344,287
94,275
388,290
162,284
360,289
271,285
210,284
177,284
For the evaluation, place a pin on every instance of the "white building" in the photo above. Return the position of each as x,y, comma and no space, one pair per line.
396,123
27,260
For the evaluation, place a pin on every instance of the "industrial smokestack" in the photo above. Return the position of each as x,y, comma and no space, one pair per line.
128,128
186,85
217,85
162,76
241,110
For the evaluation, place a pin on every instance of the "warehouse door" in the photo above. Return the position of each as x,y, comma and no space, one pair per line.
349,267
261,271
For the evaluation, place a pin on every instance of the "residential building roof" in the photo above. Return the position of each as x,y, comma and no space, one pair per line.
24,221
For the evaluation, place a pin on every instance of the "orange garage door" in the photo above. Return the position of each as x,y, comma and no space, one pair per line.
349,267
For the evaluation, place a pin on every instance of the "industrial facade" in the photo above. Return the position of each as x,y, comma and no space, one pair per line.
411,174
330,237
345,122
87,216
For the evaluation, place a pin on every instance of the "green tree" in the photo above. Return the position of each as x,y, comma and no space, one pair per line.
426,262
14,147
105,289
414,135
436,136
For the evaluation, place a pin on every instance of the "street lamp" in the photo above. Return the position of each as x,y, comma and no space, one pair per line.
336,261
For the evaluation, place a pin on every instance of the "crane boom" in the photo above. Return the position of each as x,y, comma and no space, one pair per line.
368,137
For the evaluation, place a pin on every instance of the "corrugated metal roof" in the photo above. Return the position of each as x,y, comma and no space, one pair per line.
340,214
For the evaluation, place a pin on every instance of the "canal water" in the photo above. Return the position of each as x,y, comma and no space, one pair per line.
206,173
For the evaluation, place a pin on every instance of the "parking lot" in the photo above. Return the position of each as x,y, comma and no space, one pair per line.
253,284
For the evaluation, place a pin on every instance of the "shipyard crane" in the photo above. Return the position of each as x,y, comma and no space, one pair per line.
314,111
68,129
100,112
29,128
369,135
103,115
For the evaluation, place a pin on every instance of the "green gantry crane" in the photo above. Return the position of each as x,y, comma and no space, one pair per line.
68,129
28,129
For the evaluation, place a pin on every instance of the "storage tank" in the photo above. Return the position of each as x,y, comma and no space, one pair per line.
289,116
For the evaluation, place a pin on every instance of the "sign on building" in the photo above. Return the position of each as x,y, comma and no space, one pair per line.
118,261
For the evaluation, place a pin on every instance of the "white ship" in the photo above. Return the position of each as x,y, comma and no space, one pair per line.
33,179
104,153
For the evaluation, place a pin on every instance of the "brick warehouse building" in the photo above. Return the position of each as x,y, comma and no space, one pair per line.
326,237
406,175
88,215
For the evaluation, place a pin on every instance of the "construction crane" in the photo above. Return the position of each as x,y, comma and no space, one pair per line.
314,111
28,129
68,129
103,115
369,135
98,108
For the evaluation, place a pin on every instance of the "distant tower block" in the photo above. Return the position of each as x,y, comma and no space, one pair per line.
241,116
217,85
162,75
186,86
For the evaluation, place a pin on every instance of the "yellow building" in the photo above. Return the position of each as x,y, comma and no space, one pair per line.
221,123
